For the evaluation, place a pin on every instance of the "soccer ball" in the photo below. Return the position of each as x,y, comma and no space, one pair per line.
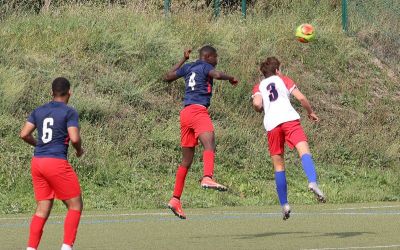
305,33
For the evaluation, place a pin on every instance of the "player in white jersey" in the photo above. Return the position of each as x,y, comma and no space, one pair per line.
282,122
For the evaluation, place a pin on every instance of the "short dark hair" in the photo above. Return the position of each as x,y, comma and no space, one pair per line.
207,49
269,66
60,86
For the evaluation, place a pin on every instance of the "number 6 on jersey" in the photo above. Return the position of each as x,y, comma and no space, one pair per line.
47,132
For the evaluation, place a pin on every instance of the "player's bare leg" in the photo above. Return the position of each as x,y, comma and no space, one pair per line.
281,185
309,169
71,223
175,204
43,209
207,139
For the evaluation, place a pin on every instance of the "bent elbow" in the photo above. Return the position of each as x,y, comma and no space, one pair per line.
218,75
258,108
23,135
75,140
302,99
169,77
166,79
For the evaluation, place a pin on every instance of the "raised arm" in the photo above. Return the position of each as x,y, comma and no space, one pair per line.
222,76
26,133
306,104
76,141
171,74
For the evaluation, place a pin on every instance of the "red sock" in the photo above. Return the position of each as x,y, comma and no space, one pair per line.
71,224
36,231
208,161
180,181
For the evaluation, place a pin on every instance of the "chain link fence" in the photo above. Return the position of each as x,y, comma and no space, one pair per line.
376,23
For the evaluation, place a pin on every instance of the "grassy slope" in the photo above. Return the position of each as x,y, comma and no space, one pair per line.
115,58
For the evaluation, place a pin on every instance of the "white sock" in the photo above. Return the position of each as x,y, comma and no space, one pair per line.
30,248
66,247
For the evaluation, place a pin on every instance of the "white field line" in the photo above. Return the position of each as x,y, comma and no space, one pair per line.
366,247
355,208
91,215
229,213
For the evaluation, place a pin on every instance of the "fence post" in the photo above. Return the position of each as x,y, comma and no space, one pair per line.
167,5
217,7
244,8
344,16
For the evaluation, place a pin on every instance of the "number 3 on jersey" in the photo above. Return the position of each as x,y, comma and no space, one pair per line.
192,82
47,132
273,93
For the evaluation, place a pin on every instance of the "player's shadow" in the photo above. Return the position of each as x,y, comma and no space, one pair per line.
251,236
269,234
342,235
339,235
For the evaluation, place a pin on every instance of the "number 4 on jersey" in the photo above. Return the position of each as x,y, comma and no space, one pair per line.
192,82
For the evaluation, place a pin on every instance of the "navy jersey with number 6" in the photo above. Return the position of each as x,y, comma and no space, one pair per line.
198,84
52,121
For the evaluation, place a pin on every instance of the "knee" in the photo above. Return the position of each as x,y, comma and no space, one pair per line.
208,141
279,168
75,204
78,206
209,145
186,163
43,211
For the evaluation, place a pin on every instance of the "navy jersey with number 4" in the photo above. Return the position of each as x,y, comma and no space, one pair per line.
52,121
198,84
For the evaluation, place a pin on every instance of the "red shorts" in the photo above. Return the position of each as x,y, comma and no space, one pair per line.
194,121
289,132
54,178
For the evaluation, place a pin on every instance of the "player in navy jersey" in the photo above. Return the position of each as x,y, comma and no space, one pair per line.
195,121
52,175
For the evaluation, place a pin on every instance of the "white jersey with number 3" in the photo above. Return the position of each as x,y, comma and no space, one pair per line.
275,92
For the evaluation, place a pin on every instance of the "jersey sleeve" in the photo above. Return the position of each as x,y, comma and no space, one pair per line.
73,119
256,90
289,83
182,70
32,118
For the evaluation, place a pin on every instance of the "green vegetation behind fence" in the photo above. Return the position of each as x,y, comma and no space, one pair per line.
377,25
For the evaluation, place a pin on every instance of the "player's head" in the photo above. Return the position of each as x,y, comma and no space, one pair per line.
270,66
61,88
209,54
